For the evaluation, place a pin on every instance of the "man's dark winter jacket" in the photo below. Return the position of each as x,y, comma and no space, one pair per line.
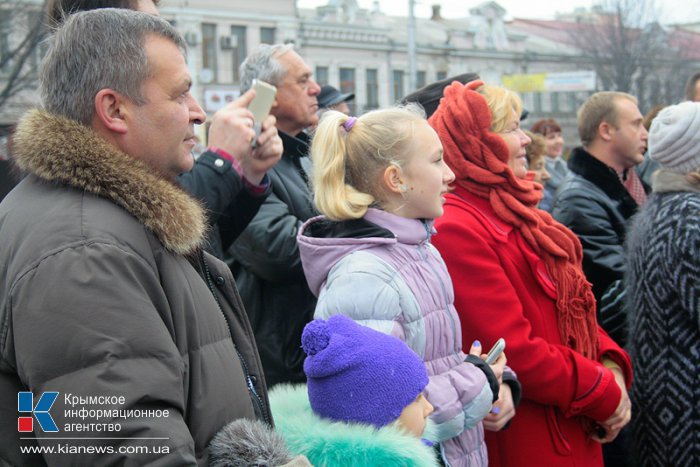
104,291
266,263
594,204
229,205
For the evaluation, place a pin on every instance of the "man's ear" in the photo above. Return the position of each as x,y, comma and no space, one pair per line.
392,179
110,110
605,131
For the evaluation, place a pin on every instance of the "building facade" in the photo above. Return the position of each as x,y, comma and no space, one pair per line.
365,51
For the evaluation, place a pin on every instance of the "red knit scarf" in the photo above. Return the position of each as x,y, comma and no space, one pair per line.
479,159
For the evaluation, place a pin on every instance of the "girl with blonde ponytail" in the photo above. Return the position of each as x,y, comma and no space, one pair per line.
379,181
349,163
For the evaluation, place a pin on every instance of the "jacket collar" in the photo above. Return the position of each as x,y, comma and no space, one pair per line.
295,146
584,164
487,216
408,231
668,182
63,151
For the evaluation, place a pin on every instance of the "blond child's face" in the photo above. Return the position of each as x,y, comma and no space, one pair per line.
425,177
414,416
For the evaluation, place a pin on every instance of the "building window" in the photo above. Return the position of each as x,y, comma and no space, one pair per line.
347,85
397,84
5,40
555,101
537,101
546,101
372,89
209,48
573,101
527,98
321,75
267,35
420,79
239,49
441,75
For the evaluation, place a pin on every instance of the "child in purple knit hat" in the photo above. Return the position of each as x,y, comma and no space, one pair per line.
357,374
365,403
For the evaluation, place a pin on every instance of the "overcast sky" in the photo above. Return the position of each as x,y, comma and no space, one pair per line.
672,10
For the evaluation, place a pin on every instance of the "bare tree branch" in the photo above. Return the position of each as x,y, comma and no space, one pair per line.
631,52
23,29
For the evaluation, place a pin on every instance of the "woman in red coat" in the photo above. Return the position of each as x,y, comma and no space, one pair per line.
517,274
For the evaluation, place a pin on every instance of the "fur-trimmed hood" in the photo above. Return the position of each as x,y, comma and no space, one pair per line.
63,151
666,181
328,443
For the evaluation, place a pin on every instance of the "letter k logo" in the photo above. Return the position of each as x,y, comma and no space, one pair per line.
25,403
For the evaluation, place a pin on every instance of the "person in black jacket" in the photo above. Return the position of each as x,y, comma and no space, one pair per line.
229,178
265,258
603,191
596,200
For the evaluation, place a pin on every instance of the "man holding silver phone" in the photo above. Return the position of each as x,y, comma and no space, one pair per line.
265,258
230,177
260,106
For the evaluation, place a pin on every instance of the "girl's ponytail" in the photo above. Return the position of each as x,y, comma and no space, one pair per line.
334,197
350,154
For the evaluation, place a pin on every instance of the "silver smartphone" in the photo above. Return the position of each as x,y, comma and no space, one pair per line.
496,351
261,104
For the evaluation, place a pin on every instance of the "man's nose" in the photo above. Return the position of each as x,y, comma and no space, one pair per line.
197,113
314,88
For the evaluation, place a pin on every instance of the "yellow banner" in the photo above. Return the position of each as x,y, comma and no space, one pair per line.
525,83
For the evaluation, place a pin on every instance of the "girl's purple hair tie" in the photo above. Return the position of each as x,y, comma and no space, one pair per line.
349,123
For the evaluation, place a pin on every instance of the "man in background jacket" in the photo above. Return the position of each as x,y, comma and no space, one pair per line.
107,302
265,258
602,192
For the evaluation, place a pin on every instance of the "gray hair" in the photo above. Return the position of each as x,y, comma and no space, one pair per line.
262,64
95,50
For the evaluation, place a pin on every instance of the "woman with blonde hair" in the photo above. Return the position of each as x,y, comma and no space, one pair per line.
380,181
518,274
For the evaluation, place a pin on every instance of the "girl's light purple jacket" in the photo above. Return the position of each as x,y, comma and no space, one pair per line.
383,272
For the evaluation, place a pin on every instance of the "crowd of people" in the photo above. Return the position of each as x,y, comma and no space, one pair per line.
324,291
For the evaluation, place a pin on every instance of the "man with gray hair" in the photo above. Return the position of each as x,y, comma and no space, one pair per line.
265,258
121,341
229,177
